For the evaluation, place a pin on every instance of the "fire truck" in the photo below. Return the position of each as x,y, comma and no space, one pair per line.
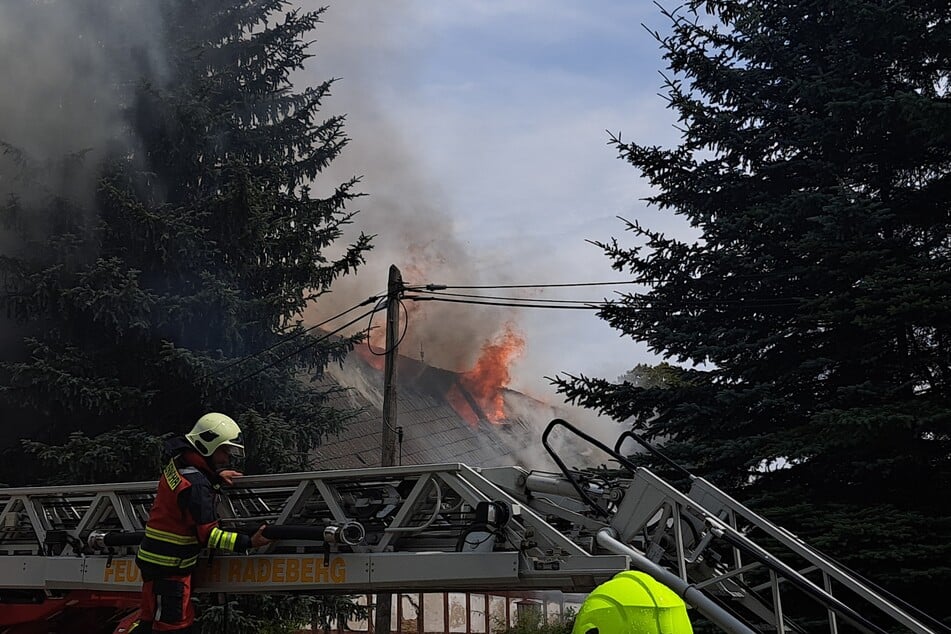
67,554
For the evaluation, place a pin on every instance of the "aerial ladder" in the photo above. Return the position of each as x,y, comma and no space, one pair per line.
449,527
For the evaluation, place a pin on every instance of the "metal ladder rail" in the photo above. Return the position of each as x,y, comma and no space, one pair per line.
29,514
415,508
728,508
535,486
649,495
417,516
30,517
643,504
718,501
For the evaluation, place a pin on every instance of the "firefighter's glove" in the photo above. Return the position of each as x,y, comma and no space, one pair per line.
228,476
258,539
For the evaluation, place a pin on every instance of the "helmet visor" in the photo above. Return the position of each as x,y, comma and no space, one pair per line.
235,451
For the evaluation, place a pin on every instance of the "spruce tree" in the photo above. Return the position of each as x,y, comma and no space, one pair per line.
812,316
156,280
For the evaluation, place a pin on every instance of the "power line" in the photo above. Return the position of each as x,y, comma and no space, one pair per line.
753,302
297,334
435,289
440,287
516,299
638,280
310,344
487,300
760,304
376,309
297,351
417,298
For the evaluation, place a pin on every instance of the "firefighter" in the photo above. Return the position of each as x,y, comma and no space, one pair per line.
632,603
184,519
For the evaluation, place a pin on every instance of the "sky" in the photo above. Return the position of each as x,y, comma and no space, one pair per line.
480,128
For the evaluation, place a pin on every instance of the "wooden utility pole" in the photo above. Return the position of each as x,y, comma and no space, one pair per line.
384,602
388,443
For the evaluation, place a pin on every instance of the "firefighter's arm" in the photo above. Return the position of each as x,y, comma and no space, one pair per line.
224,540
201,505
228,476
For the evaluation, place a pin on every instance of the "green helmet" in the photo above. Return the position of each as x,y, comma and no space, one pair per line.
632,603
214,430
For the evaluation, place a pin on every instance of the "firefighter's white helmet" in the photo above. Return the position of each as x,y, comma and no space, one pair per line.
214,430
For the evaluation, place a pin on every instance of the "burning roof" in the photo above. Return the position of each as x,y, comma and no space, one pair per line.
446,416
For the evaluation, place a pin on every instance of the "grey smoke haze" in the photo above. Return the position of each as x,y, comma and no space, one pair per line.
361,43
67,67
573,450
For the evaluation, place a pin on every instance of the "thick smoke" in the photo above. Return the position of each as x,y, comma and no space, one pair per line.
68,67
363,47
574,451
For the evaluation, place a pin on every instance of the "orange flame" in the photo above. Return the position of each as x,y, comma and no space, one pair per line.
375,358
486,380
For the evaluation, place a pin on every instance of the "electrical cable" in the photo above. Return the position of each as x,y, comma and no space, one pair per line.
439,287
593,306
433,288
297,334
417,298
270,348
777,302
395,430
437,509
641,280
766,301
514,299
399,442
310,344
399,429
380,303
398,340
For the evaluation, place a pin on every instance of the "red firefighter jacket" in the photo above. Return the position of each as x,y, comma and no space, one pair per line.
184,518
